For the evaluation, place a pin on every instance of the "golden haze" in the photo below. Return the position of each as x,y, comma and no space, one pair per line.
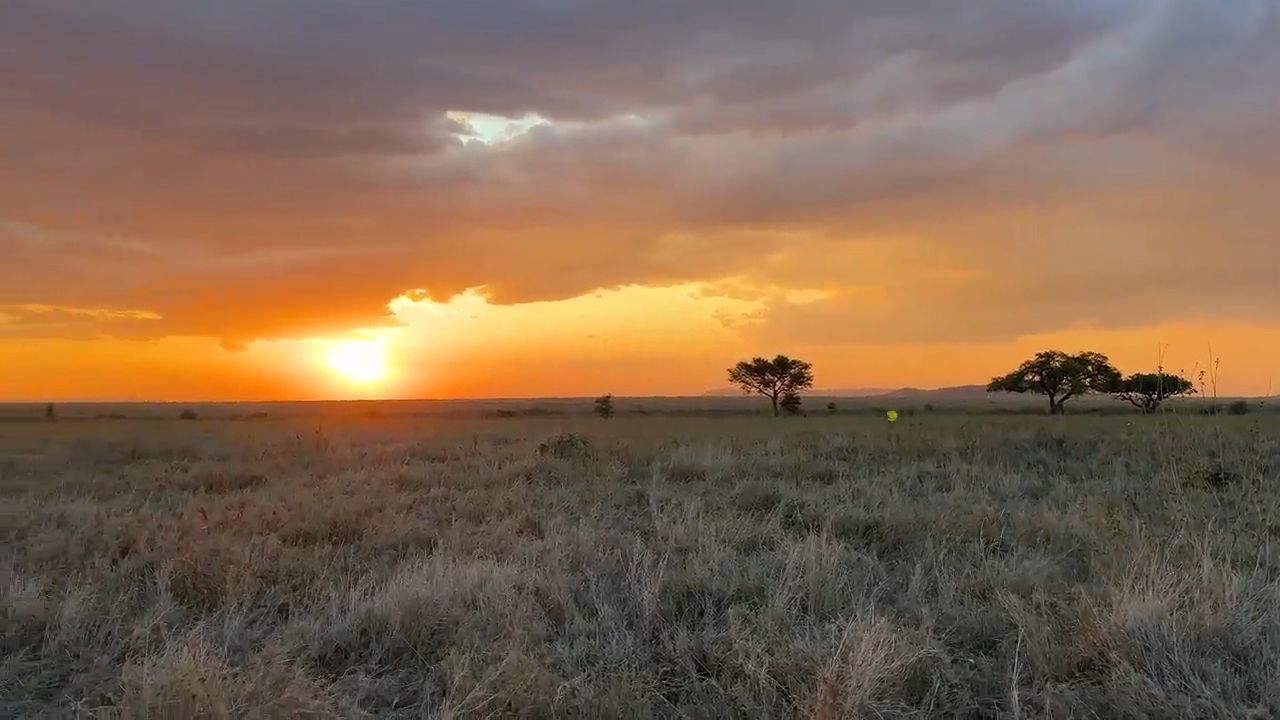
631,341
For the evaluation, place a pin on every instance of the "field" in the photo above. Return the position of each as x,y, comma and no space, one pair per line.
953,565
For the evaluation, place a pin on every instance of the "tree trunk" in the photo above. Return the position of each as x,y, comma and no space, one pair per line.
1055,407
774,398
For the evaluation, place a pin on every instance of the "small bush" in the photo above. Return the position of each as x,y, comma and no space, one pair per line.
567,446
790,404
1239,407
604,406
1217,477
831,407
188,414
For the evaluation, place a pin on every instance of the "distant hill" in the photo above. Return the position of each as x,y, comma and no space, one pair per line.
821,392
956,393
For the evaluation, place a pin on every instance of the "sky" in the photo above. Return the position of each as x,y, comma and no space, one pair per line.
288,199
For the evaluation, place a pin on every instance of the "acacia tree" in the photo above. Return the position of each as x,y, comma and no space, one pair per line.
1060,376
774,379
1147,391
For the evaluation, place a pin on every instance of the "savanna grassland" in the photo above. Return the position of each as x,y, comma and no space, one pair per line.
949,566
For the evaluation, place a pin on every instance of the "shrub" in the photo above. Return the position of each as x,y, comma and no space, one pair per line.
1239,407
831,407
604,406
188,414
567,446
790,404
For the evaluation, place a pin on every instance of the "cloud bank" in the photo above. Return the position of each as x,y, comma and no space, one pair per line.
937,171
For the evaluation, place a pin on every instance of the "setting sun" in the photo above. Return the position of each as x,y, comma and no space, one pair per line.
358,361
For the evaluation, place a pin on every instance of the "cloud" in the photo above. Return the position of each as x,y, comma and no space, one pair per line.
46,321
284,140
939,170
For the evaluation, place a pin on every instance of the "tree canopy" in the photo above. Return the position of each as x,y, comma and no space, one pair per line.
774,379
1060,376
1147,391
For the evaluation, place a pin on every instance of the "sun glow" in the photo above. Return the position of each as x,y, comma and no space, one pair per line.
363,362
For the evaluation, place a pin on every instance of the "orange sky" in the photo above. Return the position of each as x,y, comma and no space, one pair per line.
241,201
631,341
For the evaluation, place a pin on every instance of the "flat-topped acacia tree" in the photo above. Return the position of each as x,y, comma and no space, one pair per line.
1148,391
1060,376
774,379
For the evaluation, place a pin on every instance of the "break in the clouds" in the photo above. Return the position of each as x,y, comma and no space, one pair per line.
935,170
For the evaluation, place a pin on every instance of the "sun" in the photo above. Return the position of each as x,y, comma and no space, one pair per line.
363,362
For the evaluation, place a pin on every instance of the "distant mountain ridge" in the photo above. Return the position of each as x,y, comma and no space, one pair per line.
955,391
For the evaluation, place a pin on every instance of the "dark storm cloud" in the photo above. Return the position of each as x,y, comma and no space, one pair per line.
250,169
179,67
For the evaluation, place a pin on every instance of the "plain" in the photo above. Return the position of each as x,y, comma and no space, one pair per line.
950,565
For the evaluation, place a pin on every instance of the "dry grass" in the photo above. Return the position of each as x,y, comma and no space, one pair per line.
646,566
